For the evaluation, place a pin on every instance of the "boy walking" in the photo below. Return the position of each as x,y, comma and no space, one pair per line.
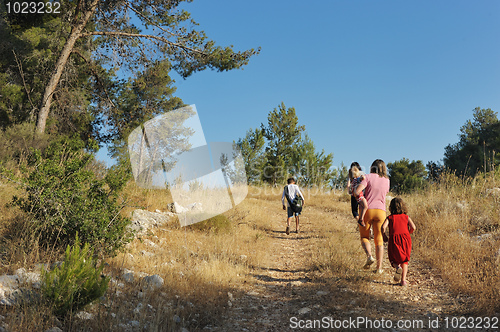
291,190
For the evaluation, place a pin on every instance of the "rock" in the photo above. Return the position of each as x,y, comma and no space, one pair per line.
9,281
177,208
149,243
153,282
134,323
26,277
483,237
83,315
493,192
54,329
143,220
304,311
321,293
128,276
177,319
147,253
9,284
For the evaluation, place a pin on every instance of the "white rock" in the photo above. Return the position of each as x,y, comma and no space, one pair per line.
493,192
84,315
143,220
149,243
304,311
9,281
54,329
134,323
177,208
26,277
128,277
147,253
153,282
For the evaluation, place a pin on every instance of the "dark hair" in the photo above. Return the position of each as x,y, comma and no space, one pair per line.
290,180
397,206
379,167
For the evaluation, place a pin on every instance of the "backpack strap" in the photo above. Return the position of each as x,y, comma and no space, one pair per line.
287,195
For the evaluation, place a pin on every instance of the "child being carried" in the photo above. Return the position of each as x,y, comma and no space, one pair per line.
356,179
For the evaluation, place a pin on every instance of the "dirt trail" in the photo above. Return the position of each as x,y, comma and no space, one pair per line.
287,295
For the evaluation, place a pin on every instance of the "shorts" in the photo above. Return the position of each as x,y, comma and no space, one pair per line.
290,212
360,197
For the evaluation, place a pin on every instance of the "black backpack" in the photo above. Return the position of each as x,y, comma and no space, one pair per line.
296,204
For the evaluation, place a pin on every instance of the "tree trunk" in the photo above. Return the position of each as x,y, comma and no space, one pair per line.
76,31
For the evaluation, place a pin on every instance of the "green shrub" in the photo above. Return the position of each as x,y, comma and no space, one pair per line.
64,197
76,283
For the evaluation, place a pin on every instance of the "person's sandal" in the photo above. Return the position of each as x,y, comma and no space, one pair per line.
397,275
369,261
287,230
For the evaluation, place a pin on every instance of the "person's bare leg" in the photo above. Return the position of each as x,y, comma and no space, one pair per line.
379,254
297,223
365,243
367,247
288,226
403,274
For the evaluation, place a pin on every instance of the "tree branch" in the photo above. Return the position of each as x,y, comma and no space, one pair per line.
138,35
19,65
96,75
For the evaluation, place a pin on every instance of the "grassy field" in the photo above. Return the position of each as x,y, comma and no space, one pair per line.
204,265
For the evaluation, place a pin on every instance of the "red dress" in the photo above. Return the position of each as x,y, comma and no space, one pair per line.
399,246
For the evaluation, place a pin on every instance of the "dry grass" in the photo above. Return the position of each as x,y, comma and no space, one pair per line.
458,233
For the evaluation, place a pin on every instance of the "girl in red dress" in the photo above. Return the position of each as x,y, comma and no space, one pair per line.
399,247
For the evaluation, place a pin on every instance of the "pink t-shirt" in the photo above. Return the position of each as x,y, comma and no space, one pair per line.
376,188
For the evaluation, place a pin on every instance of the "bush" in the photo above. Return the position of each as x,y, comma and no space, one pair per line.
64,197
76,283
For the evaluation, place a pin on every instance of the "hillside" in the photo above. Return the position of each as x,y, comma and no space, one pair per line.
241,272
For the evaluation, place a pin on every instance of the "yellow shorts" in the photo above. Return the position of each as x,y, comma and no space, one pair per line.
373,218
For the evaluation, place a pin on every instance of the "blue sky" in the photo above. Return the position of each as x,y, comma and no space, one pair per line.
368,79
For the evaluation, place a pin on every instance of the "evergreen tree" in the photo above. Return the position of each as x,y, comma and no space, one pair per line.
252,151
406,176
63,63
312,168
140,99
478,146
283,134
282,149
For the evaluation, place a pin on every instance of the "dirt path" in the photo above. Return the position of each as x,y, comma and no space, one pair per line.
287,295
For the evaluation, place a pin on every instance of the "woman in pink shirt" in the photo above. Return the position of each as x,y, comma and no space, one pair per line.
376,187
